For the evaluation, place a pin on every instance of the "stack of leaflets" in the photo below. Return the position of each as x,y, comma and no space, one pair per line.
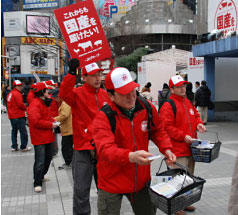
202,144
172,186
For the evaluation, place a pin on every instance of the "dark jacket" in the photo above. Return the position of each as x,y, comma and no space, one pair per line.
202,96
163,96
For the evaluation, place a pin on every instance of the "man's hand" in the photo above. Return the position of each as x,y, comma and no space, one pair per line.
188,139
55,124
171,157
73,65
201,128
140,157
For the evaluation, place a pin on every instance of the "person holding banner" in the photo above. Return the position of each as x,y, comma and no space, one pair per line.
85,102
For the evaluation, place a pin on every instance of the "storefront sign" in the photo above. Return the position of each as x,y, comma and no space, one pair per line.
40,72
33,4
38,40
83,32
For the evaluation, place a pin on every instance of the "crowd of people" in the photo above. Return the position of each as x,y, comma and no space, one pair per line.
106,132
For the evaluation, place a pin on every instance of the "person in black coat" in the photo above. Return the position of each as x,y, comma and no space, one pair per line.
202,98
189,92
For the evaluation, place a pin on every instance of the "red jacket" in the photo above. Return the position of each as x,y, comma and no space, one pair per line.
116,174
30,96
54,108
187,119
15,105
85,102
40,122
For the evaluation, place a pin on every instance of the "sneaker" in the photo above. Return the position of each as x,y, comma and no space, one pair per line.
14,150
65,166
26,149
45,179
38,189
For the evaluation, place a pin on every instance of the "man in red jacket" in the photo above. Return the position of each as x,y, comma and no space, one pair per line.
182,128
30,95
85,101
16,113
123,165
41,125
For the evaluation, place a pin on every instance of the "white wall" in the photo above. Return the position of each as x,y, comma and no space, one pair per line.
15,23
226,79
157,73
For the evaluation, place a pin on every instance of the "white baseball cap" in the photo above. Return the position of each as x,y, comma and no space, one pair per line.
120,80
91,69
17,83
176,81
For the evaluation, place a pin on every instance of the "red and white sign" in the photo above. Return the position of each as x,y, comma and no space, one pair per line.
226,16
223,15
83,32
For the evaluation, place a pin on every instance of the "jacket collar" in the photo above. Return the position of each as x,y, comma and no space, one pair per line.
90,89
176,97
119,110
15,89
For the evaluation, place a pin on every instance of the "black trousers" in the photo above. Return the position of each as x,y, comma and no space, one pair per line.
83,169
43,157
67,148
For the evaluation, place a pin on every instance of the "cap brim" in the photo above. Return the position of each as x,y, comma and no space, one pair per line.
181,83
95,71
18,84
127,88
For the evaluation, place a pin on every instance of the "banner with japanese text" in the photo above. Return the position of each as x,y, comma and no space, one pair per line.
223,15
83,33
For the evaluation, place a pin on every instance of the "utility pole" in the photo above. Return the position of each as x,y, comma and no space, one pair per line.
9,66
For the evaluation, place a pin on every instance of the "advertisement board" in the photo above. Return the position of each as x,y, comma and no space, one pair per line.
83,33
37,4
37,24
108,8
223,15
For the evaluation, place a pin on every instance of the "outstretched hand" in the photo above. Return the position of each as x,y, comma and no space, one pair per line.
140,157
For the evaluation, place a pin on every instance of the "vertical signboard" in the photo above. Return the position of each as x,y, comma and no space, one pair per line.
223,15
83,32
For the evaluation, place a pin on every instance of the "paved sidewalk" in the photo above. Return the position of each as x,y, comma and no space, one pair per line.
18,196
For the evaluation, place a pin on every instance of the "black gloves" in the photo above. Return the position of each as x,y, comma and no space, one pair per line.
73,65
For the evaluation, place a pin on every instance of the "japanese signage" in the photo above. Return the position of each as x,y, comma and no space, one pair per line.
195,62
109,7
33,4
223,15
38,40
83,32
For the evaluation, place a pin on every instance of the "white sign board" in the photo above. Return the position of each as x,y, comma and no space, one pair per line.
195,70
222,14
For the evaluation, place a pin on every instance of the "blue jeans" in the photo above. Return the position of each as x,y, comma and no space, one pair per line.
19,124
43,157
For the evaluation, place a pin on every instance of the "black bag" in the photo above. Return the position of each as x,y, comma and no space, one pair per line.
211,105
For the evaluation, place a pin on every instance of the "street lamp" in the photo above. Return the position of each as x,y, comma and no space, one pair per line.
10,72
